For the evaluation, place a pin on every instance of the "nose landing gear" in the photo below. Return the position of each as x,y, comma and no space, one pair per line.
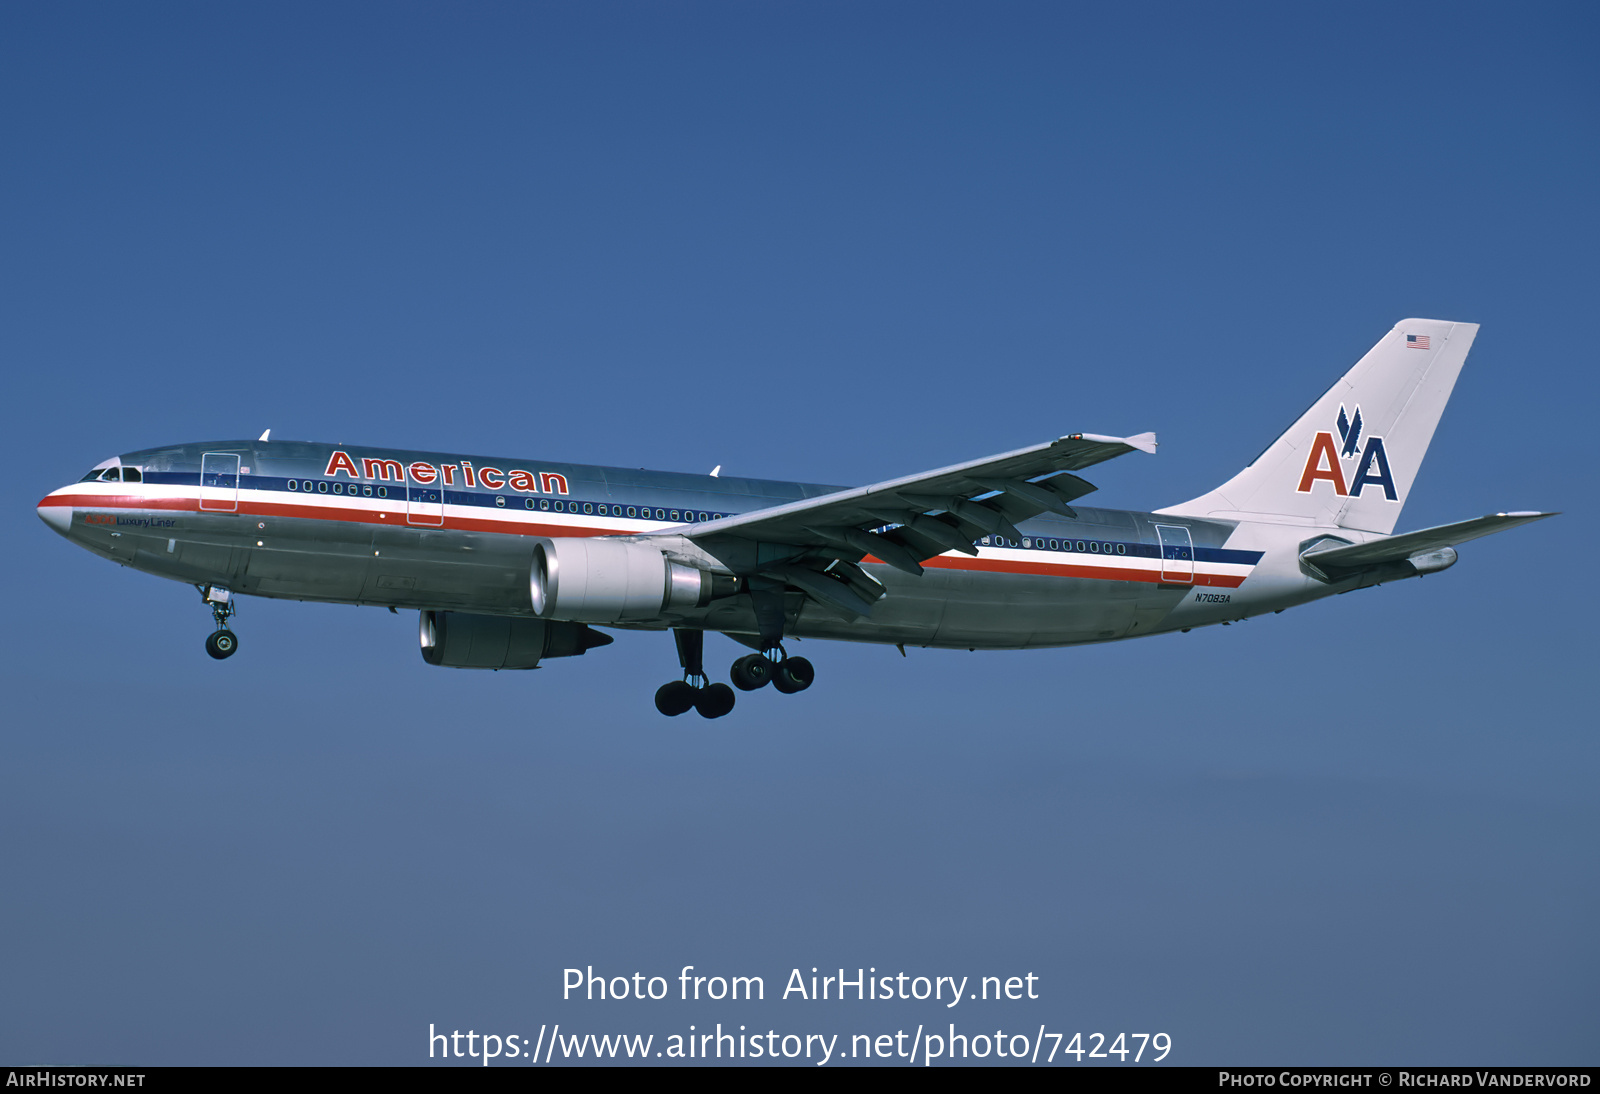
222,643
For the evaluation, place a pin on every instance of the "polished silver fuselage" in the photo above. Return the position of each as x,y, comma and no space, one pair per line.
283,526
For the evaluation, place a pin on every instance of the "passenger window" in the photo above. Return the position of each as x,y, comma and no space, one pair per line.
322,488
294,484
543,504
383,491
367,491
338,488
527,503
674,514
587,508
501,502
1055,546
633,511
601,509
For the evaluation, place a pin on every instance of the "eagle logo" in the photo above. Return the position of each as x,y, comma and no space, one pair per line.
1350,431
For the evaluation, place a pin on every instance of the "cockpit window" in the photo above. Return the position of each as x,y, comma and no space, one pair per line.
111,474
132,474
93,476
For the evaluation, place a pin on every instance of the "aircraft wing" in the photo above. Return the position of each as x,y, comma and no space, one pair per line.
906,520
1405,547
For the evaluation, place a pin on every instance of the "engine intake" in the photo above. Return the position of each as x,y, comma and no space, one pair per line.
459,640
609,581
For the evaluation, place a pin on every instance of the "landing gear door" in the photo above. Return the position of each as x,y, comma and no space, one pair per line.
219,481
1177,554
425,504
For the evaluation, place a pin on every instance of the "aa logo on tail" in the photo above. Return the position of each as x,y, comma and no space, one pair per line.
1323,461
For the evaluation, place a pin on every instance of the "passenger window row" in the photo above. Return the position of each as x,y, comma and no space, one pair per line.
604,509
1093,547
306,486
677,516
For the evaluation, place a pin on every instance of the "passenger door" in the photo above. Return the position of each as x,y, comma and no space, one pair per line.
1177,554
219,481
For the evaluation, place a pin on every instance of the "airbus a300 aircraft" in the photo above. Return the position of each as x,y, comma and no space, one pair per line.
513,561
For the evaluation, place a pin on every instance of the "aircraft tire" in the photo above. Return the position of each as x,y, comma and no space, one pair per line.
793,674
714,701
222,644
751,672
675,698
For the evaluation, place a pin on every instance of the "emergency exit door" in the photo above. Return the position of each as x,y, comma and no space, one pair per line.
425,504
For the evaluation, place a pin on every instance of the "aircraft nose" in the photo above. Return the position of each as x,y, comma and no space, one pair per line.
56,512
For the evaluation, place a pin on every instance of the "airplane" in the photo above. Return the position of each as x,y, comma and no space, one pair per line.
513,562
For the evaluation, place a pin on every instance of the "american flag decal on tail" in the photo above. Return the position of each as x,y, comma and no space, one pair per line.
1416,341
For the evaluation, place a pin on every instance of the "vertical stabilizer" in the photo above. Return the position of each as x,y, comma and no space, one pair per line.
1351,459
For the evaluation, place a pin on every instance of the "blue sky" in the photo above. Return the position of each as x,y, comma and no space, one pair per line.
836,243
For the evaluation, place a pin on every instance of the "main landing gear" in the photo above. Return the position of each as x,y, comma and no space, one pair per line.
694,690
749,673
756,670
223,642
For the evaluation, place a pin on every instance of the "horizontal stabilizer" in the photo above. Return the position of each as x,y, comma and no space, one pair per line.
1361,556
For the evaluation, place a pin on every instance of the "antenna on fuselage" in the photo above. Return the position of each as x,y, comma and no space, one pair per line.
715,470
265,434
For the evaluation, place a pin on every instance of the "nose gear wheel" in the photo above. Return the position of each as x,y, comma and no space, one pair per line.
222,643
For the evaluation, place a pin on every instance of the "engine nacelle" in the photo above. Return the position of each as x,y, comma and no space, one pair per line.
460,640
610,581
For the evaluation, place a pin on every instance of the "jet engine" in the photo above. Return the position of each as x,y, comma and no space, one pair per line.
459,640
611,581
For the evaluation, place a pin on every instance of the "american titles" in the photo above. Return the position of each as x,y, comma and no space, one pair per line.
446,474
